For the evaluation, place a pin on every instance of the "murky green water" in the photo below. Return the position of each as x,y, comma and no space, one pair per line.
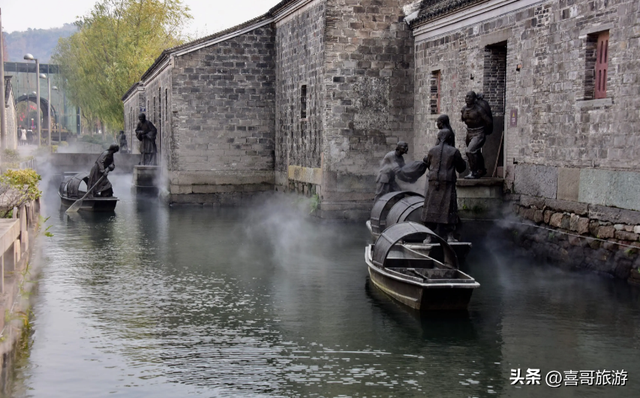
188,301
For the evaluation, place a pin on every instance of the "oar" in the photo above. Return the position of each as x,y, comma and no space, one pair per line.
78,203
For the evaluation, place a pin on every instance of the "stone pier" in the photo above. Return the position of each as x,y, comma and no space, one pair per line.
481,198
146,180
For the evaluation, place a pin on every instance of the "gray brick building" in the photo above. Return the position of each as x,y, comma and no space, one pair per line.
562,80
213,103
306,98
311,95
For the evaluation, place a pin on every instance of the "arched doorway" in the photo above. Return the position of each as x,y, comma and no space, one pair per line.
27,113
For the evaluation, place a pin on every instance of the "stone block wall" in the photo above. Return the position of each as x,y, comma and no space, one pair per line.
581,236
547,47
368,103
223,118
561,126
570,159
300,56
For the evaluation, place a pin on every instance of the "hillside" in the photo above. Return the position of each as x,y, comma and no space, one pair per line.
39,42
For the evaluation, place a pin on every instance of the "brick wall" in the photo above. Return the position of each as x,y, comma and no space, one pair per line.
495,72
300,62
571,159
222,119
556,125
368,100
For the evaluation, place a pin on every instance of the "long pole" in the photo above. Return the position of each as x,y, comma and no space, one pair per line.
3,117
38,102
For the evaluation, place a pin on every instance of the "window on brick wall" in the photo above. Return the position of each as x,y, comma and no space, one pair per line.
596,65
303,101
166,105
434,92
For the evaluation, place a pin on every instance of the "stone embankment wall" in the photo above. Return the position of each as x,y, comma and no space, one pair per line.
16,241
581,235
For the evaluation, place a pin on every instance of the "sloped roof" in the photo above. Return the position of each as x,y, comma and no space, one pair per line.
432,9
130,90
195,43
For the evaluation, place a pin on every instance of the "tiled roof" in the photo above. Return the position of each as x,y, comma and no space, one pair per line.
167,53
432,9
130,90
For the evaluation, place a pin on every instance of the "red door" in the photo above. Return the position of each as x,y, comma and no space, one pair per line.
601,64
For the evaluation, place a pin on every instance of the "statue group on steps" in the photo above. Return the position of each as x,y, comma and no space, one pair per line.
444,161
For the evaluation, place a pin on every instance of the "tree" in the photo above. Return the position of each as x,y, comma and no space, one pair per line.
115,44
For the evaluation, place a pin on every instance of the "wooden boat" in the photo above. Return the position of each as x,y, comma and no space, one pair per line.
71,189
400,206
404,268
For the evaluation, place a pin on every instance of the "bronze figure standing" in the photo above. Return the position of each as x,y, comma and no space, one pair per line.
146,133
440,210
477,116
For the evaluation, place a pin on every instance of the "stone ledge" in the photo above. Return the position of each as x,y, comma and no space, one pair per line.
221,177
216,199
175,189
568,206
305,174
480,182
594,103
614,215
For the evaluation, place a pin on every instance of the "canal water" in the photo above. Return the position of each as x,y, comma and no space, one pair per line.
264,301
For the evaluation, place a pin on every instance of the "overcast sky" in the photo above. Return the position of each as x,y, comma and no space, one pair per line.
209,16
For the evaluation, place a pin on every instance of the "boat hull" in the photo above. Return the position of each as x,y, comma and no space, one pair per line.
93,204
422,296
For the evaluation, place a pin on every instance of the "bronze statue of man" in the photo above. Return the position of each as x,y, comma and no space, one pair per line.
391,164
146,132
104,164
477,116
440,210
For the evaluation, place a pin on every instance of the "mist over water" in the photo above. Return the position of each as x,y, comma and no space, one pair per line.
266,300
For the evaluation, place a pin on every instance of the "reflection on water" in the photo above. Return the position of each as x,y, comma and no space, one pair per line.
262,301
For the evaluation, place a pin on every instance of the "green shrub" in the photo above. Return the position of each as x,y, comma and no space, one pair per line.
16,188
